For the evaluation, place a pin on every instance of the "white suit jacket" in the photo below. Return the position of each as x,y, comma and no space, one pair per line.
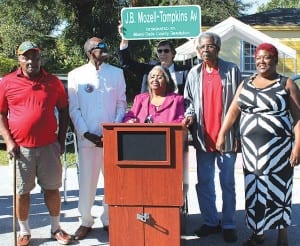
95,97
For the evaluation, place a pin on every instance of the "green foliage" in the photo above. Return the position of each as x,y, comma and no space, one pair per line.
37,21
212,11
7,65
65,56
25,20
92,18
279,4
3,155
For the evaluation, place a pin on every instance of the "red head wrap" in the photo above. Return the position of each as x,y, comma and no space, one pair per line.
269,48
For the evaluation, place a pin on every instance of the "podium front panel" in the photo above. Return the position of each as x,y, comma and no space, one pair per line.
161,228
146,181
124,229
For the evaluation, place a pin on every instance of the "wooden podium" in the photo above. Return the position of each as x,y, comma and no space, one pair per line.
144,171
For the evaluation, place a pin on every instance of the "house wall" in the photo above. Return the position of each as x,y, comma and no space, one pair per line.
230,50
292,65
290,36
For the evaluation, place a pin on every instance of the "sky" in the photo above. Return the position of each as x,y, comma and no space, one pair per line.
255,4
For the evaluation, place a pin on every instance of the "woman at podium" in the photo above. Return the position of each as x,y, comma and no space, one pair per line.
160,104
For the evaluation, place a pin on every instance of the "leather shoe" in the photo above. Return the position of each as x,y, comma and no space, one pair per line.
206,230
82,232
229,235
106,228
255,240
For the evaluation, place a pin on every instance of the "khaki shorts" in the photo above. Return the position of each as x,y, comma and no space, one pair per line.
42,164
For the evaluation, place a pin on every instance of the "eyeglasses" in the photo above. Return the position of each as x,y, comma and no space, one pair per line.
101,46
159,51
207,47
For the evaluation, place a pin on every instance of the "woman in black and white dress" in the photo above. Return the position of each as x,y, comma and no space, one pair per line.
270,141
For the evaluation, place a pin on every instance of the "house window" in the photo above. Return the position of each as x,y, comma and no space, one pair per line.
247,57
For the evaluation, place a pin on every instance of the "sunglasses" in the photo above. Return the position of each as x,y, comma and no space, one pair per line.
159,51
101,46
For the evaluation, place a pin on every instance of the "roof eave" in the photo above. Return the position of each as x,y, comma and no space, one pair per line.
276,27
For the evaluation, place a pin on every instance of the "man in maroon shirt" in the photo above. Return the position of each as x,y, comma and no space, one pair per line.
29,97
209,91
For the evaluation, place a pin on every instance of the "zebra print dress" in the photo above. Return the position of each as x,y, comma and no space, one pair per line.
266,137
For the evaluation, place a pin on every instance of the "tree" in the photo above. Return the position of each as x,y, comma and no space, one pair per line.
88,18
279,4
212,11
37,20
6,65
25,20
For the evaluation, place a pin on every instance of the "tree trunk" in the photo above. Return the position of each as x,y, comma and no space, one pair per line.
137,3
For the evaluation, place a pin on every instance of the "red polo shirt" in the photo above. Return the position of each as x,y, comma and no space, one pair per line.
212,107
30,105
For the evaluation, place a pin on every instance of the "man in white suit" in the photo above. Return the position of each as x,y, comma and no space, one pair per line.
96,95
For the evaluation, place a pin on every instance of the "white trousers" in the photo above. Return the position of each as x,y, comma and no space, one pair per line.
90,164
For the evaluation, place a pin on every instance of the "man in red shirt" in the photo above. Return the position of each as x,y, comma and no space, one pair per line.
29,97
209,90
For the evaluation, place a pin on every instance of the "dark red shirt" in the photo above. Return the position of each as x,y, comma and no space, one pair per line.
30,104
212,107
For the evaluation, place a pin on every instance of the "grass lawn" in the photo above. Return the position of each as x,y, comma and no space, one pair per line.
4,160
3,155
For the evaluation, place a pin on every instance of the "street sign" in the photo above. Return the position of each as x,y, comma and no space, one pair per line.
162,22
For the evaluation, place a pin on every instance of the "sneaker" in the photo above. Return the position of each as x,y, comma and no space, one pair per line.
23,240
229,235
62,237
207,230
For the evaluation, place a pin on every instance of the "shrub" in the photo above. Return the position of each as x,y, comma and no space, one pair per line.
7,65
